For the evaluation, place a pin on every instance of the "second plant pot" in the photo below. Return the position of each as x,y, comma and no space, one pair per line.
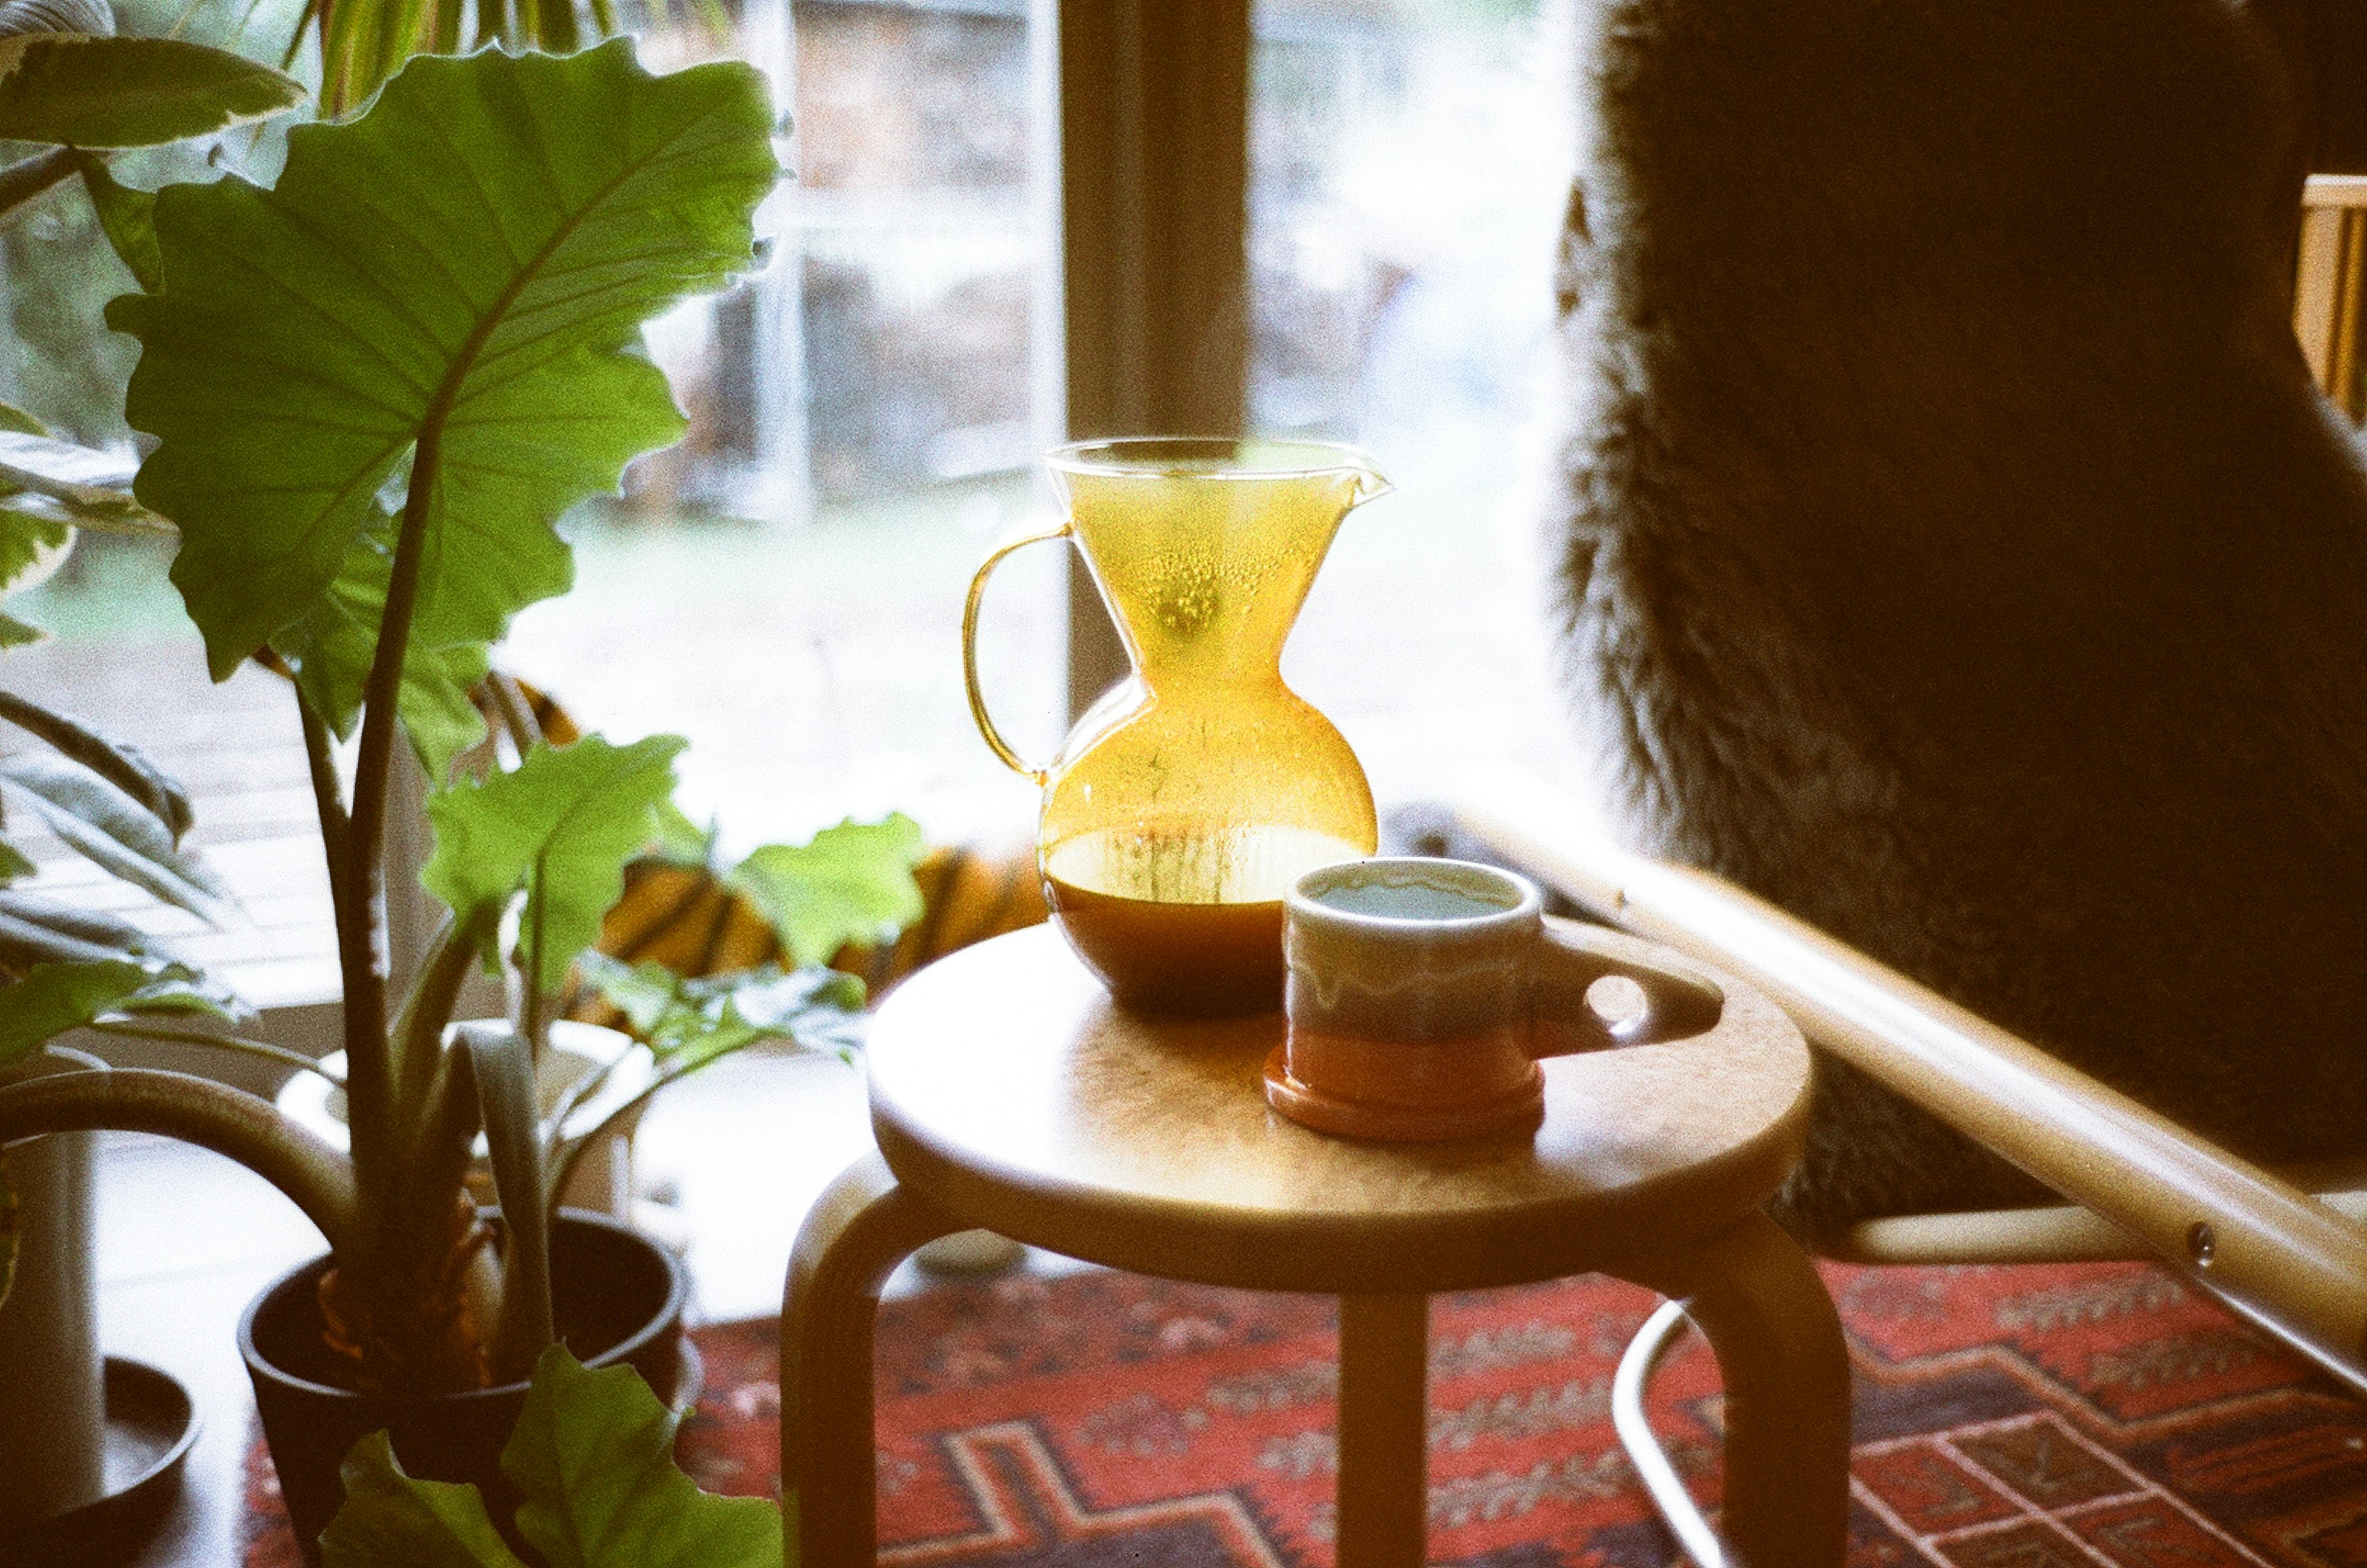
619,1297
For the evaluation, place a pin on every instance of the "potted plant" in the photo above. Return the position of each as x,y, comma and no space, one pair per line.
375,387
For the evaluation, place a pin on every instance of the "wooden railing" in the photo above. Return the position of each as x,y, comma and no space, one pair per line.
2276,1254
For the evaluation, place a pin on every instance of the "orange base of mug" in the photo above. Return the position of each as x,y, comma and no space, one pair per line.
1521,1112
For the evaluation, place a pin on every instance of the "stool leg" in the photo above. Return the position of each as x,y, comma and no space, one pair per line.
1384,1495
1757,1298
863,1227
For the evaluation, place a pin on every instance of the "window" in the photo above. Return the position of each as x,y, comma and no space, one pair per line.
785,586
1408,169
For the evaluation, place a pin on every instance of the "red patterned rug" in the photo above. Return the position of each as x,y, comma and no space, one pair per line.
2091,1417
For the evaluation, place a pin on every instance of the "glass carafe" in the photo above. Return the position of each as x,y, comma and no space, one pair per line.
1188,798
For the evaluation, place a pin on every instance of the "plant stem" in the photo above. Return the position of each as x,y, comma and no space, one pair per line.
505,1090
328,791
21,182
316,1178
447,1132
279,1054
534,1004
361,925
419,1032
583,1090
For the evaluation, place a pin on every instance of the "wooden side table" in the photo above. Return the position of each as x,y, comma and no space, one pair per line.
1008,1093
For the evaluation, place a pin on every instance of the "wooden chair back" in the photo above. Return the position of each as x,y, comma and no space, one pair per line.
2330,287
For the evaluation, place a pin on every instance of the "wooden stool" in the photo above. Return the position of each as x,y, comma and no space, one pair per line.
1008,1093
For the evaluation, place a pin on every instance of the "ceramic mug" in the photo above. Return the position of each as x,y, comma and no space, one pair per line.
1421,993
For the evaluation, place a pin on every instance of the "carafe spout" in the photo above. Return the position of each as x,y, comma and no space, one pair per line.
1371,484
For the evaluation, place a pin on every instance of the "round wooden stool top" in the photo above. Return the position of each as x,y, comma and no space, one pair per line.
1008,1089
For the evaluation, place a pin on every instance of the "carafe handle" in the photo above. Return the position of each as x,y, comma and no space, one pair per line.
1010,542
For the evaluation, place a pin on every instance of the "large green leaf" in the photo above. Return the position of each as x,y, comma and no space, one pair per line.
118,832
389,1520
130,91
559,827
853,883
439,300
594,1456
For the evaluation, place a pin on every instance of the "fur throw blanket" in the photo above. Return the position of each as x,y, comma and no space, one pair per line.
1958,552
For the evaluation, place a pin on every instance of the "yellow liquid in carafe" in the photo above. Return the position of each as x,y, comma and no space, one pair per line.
1182,920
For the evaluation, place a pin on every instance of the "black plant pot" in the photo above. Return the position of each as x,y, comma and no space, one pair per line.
618,1296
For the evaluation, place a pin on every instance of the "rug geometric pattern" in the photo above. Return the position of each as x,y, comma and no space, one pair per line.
2058,1417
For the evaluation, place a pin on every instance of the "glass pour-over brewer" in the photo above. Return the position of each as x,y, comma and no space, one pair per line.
1189,797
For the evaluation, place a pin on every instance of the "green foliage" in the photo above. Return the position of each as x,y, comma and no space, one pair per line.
34,930
688,1023
331,651
88,91
129,219
363,41
62,482
389,1520
118,832
27,542
54,997
118,762
853,883
52,341
559,827
48,488
440,299
592,1457
27,545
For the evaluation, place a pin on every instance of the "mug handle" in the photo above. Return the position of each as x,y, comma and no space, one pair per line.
1571,958
1014,541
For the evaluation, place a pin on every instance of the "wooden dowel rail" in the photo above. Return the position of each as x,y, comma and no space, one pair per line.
2272,1252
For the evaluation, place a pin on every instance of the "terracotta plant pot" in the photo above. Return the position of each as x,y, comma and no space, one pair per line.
619,1297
